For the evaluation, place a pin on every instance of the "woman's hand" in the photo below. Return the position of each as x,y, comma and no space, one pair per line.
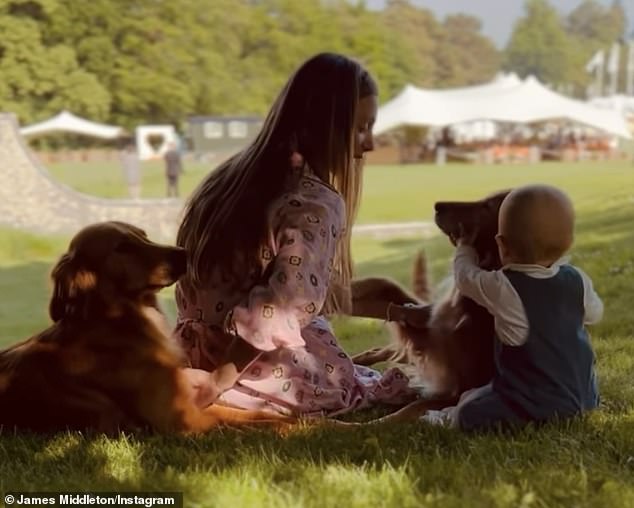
416,316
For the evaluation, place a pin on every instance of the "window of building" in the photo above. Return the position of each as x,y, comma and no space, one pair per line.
213,130
238,129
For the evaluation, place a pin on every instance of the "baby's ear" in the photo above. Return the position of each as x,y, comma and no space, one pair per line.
502,244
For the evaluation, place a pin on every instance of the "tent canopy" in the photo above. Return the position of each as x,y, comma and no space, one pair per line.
624,104
68,122
505,99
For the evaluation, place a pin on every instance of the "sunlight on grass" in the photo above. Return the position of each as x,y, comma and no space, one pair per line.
57,448
587,462
123,458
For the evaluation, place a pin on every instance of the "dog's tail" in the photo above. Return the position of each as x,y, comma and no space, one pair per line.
420,278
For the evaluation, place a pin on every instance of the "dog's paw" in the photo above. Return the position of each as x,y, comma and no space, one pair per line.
372,356
414,315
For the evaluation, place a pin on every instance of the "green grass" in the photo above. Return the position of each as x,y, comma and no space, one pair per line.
585,463
392,193
105,179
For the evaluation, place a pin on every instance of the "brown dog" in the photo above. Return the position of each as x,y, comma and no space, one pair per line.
450,343
106,363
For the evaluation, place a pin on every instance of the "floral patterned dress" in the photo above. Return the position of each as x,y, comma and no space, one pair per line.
301,368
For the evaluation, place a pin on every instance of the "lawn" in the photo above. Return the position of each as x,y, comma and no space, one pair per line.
391,193
589,462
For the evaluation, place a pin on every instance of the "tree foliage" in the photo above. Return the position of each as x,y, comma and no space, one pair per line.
38,79
592,27
555,48
159,61
539,45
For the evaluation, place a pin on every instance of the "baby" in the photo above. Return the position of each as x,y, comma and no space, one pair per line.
540,303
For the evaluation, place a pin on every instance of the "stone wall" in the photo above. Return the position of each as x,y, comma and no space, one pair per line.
31,200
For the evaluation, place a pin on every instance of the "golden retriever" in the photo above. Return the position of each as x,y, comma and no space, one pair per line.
450,343
106,363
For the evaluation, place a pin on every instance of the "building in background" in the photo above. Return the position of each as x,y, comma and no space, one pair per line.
210,137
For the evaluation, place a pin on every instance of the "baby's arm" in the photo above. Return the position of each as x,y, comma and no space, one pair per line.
494,292
482,286
591,301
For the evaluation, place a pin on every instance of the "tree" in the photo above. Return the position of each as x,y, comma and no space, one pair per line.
133,49
419,32
464,56
592,22
539,45
39,80
279,35
453,53
592,27
383,51
140,61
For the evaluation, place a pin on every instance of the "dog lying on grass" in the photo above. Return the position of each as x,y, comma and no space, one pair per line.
107,363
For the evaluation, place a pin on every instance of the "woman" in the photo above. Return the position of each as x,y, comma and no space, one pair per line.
268,235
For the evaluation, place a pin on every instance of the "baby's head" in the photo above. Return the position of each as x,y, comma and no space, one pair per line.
536,225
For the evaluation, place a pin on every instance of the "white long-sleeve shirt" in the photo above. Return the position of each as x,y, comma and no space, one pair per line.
494,291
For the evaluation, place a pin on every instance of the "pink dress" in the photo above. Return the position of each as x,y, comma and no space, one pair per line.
301,368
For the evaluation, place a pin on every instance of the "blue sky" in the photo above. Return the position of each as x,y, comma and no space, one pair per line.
499,16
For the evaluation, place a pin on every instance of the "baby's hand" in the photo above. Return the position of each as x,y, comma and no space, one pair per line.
462,237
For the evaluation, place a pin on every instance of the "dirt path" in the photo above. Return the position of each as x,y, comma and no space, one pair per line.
389,230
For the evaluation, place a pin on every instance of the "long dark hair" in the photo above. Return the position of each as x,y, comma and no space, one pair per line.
314,114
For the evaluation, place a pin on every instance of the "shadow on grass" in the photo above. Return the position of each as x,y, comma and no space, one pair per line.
440,457
594,452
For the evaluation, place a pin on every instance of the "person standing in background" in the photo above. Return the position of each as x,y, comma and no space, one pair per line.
131,166
173,169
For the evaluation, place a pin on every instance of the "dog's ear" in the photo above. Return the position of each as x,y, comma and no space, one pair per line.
71,284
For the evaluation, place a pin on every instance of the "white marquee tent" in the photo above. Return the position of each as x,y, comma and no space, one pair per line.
624,104
500,83
68,122
505,99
